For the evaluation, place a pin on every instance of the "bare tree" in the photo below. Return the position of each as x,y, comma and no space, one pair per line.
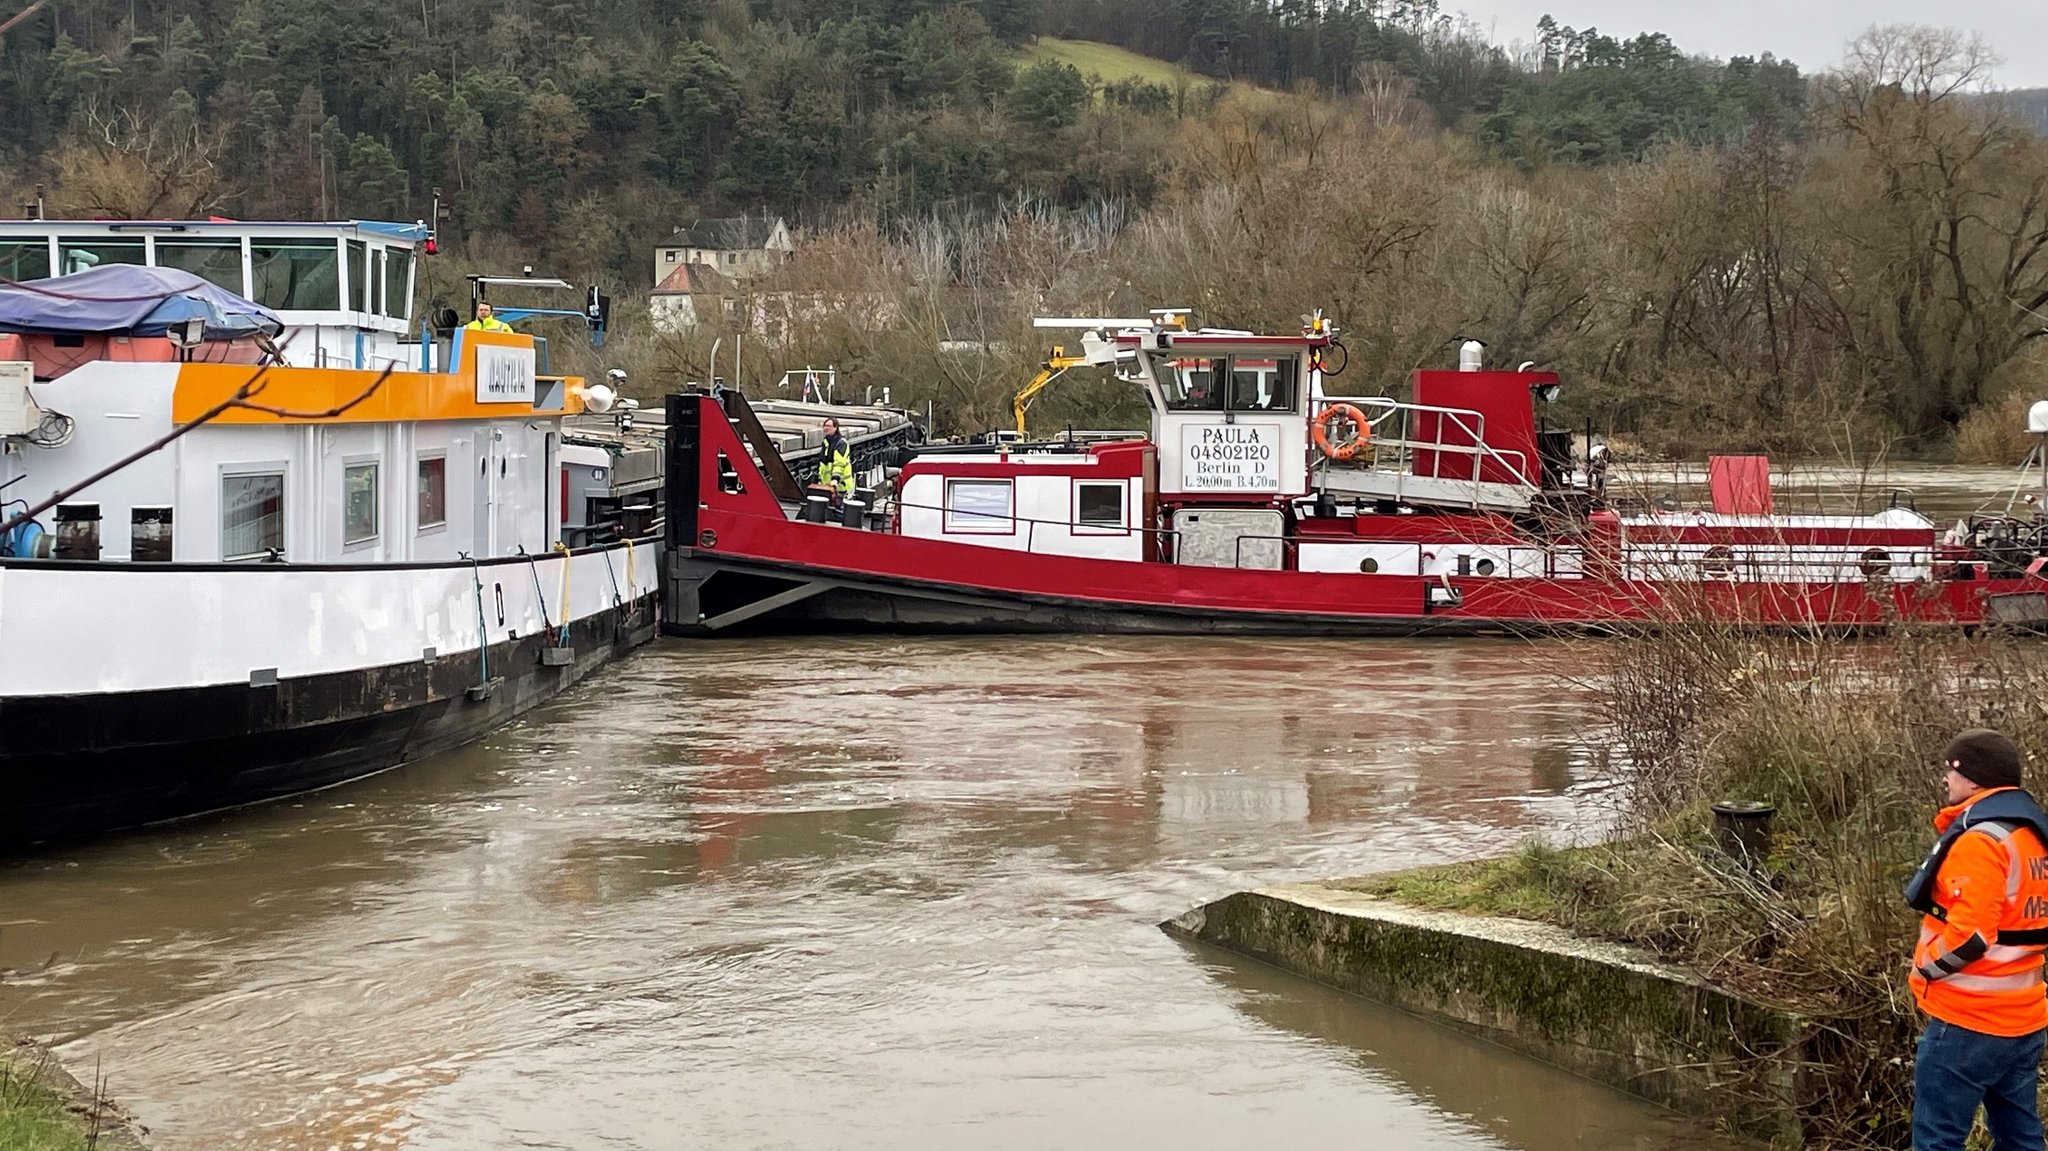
131,164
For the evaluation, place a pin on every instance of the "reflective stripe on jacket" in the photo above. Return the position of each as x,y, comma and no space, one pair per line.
835,470
1978,963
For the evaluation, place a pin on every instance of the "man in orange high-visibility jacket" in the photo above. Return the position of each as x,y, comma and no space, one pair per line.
1977,968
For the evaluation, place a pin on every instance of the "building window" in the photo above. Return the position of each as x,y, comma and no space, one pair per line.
251,515
79,254
729,257
300,275
669,256
978,506
433,492
218,262
1098,505
359,504
25,260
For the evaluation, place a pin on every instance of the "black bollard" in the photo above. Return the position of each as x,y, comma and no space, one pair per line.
1742,827
852,513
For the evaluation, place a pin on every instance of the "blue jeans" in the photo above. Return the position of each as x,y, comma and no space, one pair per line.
1957,1069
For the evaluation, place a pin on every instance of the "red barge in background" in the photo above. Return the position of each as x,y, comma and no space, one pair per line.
1258,504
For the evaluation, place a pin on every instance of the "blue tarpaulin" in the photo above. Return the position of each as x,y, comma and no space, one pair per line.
130,300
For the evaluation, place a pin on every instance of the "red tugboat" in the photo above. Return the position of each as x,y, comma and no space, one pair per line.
1258,504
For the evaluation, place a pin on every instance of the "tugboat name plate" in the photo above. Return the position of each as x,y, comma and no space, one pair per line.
504,375
1240,457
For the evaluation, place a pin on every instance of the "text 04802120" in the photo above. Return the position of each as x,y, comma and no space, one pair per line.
1230,457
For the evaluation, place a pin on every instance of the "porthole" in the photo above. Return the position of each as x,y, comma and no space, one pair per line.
1877,563
1484,567
1368,565
1719,560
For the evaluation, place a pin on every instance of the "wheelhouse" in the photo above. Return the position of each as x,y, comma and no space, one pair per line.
344,289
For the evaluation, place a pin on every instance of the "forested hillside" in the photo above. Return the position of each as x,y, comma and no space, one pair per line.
1714,251
588,126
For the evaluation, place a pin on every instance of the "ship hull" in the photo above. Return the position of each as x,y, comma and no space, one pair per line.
81,764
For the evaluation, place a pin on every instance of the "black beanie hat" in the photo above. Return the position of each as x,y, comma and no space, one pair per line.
1985,758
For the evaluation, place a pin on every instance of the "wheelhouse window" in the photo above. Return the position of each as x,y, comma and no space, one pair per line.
359,504
25,259
1098,506
978,506
433,492
218,262
398,283
251,515
359,284
304,275
1262,385
1192,384
81,253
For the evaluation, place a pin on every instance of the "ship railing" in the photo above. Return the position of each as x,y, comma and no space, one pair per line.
1777,562
1402,446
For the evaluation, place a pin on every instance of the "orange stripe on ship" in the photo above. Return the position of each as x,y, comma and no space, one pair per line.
405,397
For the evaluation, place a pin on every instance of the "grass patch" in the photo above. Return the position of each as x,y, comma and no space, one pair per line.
1109,62
34,1117
1529,884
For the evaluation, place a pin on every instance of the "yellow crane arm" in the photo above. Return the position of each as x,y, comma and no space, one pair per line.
1055,366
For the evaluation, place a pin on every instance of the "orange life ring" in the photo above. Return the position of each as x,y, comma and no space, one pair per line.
1349,448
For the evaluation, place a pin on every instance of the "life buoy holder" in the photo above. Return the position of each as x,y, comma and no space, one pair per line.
1341,449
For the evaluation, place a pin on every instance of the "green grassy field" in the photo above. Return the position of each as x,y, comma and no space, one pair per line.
1109,62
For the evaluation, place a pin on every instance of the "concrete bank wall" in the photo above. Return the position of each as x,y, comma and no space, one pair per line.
1605,1011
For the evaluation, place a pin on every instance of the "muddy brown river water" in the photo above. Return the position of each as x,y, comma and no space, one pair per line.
832,893
846,893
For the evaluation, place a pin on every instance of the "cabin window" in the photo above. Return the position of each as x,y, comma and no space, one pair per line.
398,283
359,504
433,492
1262,385
218,262
978,506
1192,384
27,260
358,276
251,515
1099,506
302,275
81,253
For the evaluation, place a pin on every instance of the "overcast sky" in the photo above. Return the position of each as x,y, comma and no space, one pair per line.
1810,33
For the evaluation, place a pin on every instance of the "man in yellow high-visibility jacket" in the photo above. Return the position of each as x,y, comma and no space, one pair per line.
835,468
485,321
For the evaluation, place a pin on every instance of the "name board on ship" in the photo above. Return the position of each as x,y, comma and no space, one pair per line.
1230,457
504,375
